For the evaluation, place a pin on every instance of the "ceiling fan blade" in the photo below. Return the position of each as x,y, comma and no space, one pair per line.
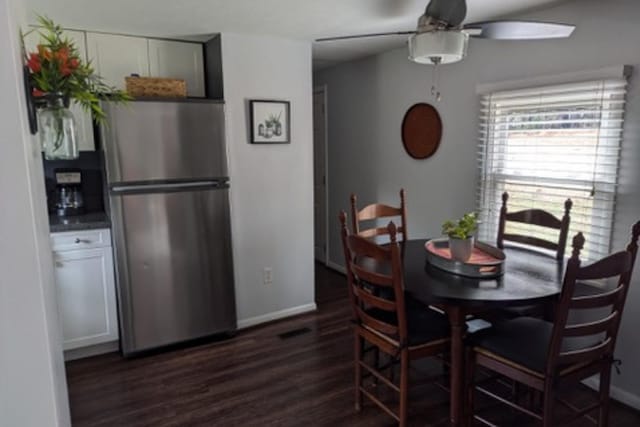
452,12
519,30
362,36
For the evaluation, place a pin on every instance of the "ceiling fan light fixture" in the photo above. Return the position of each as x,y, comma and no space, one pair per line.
438,47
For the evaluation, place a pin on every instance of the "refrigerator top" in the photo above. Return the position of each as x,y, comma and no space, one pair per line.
180,100
160,140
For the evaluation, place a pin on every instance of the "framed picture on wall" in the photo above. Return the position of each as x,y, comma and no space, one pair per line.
269,121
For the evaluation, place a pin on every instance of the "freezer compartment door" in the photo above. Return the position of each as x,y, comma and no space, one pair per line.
151,141
174,267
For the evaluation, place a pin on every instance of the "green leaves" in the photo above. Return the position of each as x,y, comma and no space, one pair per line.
273,120
57,69
463,229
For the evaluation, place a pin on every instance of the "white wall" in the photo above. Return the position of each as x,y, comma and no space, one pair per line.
271,185
32,379
368,98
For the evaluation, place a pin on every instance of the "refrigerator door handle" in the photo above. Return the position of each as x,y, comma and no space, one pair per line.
174,186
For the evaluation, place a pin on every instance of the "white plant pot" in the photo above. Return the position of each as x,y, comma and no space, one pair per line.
461,249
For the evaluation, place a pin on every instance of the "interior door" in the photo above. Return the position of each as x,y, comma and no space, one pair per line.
320,174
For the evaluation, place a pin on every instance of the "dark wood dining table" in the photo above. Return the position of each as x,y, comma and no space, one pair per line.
529,278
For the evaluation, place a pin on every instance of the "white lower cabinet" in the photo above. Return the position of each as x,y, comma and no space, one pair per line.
86,292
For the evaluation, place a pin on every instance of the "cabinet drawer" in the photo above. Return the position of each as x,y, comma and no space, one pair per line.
86,239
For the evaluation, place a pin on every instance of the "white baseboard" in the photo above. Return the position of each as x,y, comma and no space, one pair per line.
321,259
337,267
94,350
616,393
276,315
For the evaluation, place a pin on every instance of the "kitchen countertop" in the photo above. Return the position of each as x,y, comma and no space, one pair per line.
90,221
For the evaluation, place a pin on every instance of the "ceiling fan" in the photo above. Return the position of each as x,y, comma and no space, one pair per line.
441,38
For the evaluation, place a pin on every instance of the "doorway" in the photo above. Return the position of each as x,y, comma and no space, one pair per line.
320,202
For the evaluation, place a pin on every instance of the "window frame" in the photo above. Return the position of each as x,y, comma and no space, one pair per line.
492,160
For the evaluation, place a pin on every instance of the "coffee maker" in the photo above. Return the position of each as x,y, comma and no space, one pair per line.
69,199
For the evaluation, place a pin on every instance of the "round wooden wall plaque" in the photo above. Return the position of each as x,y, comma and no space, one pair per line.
421,131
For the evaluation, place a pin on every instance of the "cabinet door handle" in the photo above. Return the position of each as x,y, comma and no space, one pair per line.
59,264
79,240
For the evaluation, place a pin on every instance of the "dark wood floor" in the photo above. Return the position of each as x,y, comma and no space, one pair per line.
255,379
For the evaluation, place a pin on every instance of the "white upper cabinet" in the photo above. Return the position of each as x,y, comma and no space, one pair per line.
32,40
82,118
115,57
179,60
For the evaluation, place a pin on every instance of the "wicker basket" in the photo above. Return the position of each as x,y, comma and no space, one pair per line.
155,87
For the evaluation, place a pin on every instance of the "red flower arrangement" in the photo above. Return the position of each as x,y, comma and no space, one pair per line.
56,71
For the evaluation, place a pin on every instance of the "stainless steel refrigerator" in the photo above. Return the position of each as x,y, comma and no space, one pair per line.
168,189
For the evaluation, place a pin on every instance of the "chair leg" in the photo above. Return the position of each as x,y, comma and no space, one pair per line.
358,344
404,387
547,406
392,370
446,357
516,390
470,388
376,363
532,398
605,385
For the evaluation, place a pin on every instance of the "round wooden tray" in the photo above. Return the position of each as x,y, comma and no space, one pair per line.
486,261
421,131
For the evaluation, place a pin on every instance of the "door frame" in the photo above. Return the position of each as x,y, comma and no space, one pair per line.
324,90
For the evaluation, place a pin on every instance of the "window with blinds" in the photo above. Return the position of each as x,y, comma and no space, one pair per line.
546,144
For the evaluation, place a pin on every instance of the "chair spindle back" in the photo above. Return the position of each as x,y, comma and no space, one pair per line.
371,268
376,211
618,265
537,217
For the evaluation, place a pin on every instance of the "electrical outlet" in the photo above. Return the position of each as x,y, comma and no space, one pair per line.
267,275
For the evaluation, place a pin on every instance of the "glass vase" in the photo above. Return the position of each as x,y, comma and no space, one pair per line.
57,129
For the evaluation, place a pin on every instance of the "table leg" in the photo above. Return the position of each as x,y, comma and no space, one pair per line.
458,329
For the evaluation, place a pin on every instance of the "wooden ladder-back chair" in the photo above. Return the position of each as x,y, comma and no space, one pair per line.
376,211
546,356
537,217
389,324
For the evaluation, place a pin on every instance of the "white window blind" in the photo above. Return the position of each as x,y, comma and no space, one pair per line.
546,144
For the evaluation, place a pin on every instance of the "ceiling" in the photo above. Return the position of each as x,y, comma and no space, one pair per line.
298,19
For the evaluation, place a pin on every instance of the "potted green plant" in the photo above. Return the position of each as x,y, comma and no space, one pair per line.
273,125
58,76
461,236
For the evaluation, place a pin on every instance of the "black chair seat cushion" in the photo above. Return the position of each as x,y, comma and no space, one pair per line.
424,324
524,341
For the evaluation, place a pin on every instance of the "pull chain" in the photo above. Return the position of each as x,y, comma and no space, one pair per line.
435,77
595,159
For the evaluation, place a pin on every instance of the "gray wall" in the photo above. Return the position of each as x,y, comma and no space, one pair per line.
368,98
271,185
33,390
